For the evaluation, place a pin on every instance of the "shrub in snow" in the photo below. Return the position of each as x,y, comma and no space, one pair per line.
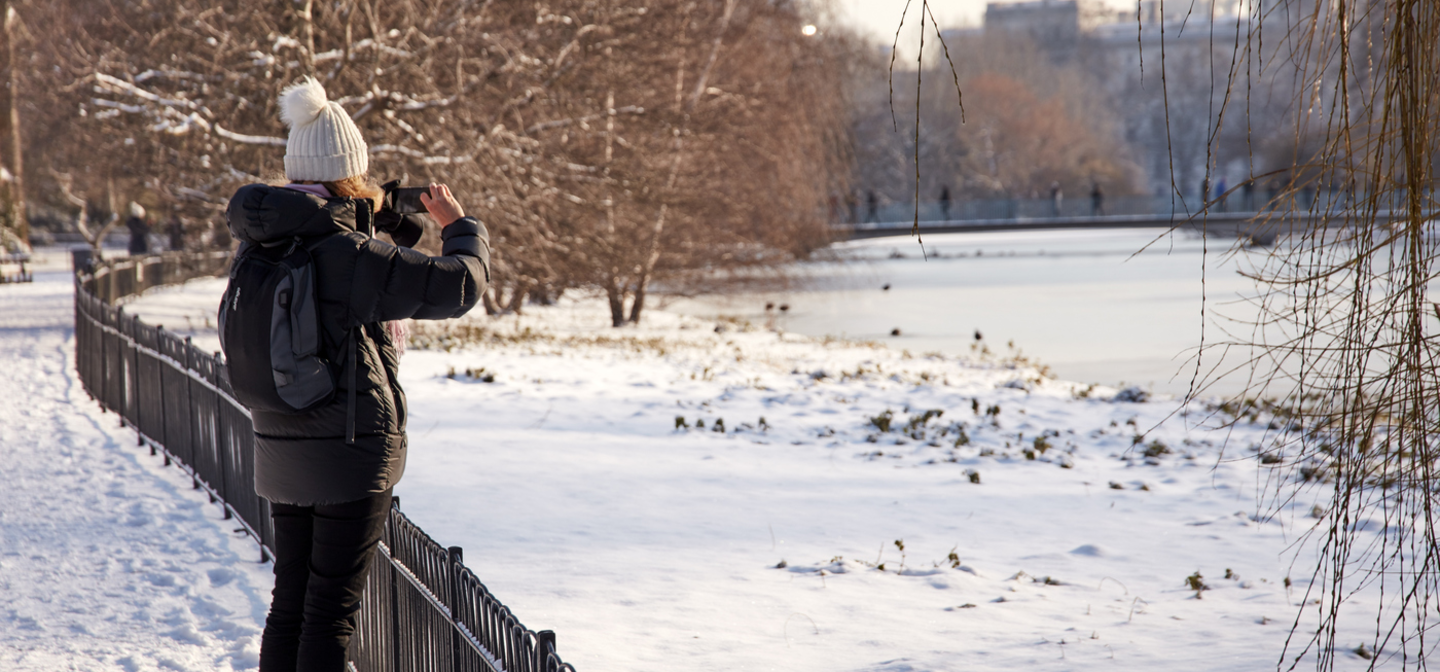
1196,583
882,421
1156,449
1133,394
1019,384
915,428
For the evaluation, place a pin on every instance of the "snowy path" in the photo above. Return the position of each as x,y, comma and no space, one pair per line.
108,560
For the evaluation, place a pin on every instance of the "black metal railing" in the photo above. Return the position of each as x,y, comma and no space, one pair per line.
422,609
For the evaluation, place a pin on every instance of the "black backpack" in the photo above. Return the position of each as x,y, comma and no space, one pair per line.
270,331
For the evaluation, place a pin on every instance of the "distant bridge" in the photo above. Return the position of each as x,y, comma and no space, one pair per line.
1260,227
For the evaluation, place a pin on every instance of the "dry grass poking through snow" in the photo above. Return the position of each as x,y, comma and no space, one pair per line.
578,327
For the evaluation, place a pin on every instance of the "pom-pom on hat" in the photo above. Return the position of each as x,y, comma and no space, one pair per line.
324,144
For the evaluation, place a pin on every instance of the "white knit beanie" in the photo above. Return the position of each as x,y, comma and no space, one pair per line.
324,144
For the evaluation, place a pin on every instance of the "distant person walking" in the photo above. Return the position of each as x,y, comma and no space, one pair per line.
1248,195
1097,201
139,230
177,234
871,207
1056,197
945,203
1220,193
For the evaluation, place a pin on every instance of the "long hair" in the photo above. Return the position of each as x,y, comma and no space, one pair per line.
356,186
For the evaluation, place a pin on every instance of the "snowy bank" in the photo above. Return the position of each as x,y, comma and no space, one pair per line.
862,508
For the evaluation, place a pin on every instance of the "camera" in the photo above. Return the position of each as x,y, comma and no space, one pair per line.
405,200
401,213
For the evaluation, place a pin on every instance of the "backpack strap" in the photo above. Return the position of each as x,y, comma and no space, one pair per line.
240,254
350,393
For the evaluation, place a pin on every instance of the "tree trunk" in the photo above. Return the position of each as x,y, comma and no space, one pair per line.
488,300
638,304
617,301
642,284
517,298
10,129
614,291
307,16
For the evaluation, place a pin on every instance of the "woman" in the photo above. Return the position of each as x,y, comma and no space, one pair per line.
329,473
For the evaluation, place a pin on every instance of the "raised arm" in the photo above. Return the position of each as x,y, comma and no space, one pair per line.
393,283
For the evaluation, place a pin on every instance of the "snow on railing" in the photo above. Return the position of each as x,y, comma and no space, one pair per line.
422,609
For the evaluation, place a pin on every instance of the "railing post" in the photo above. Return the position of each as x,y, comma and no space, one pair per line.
160,383
394,574
544,644
193,421
222,461
456,556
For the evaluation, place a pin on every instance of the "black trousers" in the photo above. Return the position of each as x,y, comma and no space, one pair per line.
322,554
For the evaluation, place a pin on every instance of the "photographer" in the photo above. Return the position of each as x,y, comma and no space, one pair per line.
329,469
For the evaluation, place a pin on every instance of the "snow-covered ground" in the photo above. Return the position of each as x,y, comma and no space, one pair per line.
547,445
108,560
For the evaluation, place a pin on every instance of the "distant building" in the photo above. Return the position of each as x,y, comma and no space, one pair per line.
1173,123
1053,25
1171,128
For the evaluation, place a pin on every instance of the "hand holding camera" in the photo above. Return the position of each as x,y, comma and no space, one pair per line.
402,208
442,205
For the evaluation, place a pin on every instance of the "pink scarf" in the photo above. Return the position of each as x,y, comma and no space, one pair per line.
399,331
315,189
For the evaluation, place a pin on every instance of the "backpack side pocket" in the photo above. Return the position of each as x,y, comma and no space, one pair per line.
302,379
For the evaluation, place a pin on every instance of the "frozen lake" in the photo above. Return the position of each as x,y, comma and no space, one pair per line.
1082,302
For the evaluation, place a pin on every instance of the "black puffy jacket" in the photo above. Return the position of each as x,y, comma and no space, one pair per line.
305,459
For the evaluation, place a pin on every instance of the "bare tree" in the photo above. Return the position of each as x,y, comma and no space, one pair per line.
1346,344
606,145
14,223
93,232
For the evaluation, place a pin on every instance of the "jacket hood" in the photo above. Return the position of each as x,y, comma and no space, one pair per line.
263,215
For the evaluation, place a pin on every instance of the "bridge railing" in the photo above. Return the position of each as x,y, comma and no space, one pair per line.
1083,205
422,609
